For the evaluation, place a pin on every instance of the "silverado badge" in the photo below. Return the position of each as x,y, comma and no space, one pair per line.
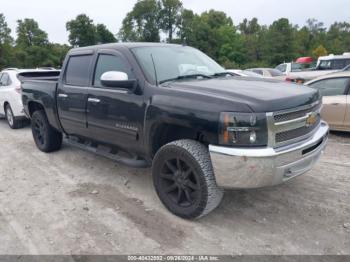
311,119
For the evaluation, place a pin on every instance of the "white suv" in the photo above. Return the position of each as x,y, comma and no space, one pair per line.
10,98
11,106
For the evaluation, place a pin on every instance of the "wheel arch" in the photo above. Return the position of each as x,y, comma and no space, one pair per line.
35,106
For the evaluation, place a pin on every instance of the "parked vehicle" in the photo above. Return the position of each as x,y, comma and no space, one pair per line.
175,109
11,106
287,68
347,68
244,73
325,65
335,91
268,73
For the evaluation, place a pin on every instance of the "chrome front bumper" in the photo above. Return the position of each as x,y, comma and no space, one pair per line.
255,168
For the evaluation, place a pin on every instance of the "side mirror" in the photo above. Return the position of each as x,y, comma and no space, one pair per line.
116,79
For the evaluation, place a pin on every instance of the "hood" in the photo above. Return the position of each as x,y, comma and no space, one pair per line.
261,95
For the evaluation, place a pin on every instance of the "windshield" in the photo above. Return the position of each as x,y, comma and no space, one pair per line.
171,62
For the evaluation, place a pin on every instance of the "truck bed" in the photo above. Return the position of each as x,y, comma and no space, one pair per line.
41,89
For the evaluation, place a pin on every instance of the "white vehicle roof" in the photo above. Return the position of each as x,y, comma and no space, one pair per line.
335,57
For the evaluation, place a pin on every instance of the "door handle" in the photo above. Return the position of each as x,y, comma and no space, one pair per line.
94,100
62,95
335,104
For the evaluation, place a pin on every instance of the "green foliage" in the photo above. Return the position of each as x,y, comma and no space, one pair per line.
319,51
142,23
5,42
279,43
29,34
248,44
170,17
82,31
104,36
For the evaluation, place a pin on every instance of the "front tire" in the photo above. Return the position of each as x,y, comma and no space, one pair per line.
184,179
13,122
46,138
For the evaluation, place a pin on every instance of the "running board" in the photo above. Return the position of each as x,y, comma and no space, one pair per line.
106,152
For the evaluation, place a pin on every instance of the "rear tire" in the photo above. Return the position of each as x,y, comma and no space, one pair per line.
46,138
12,121
184,179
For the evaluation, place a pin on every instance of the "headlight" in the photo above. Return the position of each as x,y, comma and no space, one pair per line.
243,129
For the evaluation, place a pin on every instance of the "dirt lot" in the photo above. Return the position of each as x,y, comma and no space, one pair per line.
75,202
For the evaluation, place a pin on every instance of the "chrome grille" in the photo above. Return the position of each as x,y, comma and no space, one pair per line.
292,115
290,126
295,133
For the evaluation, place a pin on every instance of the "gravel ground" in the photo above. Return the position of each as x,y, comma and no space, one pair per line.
73,202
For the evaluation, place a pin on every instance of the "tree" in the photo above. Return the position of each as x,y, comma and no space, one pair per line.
82,31
142,23
279,43
5,42
319,51
104,36
29,34
338,38
251,37
170,16
185,32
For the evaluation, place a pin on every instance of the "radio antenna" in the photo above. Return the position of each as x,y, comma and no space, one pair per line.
155,70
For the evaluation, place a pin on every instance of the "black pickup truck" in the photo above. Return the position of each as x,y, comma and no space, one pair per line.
175,109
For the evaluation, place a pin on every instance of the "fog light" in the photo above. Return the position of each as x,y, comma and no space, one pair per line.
252,137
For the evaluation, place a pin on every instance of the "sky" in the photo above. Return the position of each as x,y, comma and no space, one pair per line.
52,16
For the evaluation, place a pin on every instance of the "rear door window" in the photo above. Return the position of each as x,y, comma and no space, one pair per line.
78,70
5,80
332,87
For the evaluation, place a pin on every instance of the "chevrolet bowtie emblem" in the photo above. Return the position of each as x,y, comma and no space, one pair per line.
311,119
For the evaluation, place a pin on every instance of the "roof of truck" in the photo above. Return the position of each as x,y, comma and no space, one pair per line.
124,44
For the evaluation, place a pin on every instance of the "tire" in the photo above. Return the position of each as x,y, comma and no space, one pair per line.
46,138
12,121
184,179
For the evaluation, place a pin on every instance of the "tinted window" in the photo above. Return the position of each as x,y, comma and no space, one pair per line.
107,63
77,72
325,65
331,87
338,64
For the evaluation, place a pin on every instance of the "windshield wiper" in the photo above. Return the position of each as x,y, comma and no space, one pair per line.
223,74
185,77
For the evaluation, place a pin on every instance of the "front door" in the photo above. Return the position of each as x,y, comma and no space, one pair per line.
114,115
73,93
333,93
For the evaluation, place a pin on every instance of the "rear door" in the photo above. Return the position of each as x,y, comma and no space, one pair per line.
5,85
2,111
114,115
334,96
73,92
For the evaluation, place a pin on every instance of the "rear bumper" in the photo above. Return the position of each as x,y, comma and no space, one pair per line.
255,168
